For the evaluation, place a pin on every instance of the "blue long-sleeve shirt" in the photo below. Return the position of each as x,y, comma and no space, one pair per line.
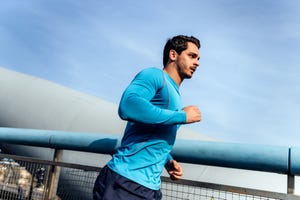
152,106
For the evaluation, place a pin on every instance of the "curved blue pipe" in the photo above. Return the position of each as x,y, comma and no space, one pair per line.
242,156
275,159
294,161
90,142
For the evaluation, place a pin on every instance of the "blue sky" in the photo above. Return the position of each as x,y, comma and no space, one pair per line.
247,86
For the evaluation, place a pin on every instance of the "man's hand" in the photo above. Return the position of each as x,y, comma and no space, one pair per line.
192,114
174,169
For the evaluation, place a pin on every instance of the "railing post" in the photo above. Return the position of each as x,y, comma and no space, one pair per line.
290,175
54,175
291,184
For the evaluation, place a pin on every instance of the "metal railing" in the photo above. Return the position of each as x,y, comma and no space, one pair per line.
53,179
196,190
76,183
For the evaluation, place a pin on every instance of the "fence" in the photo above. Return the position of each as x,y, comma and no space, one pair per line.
76,183
30,178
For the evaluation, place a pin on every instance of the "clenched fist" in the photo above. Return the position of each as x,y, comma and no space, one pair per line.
193,114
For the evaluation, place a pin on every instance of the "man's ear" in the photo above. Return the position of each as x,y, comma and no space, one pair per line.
172,55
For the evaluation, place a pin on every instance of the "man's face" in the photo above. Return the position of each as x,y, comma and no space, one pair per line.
188,61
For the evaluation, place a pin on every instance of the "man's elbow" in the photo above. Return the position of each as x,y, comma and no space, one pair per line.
122,113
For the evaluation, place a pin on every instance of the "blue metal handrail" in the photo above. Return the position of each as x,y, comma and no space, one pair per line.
284,160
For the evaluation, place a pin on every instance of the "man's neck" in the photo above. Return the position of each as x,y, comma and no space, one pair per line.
173,73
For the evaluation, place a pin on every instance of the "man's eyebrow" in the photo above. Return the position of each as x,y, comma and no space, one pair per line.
194,54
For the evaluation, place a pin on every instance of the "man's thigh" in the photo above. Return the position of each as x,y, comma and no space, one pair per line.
111,186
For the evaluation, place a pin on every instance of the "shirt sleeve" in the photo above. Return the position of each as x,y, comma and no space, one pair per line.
135,103
169,157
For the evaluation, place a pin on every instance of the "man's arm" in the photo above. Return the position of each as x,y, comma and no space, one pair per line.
193,114
174,169
135,103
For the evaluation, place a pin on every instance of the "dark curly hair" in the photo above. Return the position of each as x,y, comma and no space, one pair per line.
179,44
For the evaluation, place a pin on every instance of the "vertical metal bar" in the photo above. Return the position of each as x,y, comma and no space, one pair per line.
291,184
54,176
290,177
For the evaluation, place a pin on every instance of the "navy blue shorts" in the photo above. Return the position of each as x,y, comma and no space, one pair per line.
112,186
